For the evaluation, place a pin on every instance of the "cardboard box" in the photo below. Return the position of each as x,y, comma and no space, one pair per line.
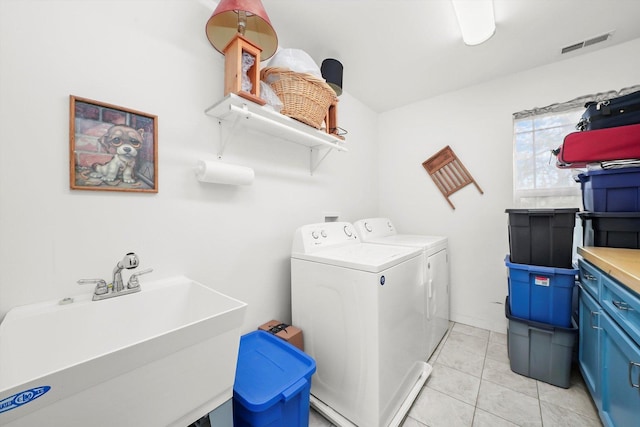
289,333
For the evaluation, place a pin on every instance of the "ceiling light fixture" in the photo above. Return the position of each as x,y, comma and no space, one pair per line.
476,20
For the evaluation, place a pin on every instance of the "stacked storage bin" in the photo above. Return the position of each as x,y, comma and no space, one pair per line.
541,334
611,200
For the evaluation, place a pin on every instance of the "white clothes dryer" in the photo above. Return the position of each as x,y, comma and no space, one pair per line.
356,305
435,268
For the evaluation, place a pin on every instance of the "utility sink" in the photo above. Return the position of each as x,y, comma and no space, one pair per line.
164,356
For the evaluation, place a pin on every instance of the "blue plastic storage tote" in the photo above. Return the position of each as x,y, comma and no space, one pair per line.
611,190
541,294
273,383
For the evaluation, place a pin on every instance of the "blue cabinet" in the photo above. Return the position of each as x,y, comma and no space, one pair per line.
620,376
590,278
609,346
588,344
622,305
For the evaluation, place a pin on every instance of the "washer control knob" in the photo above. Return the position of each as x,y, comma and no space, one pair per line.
314,234
347,231
368,227
323,234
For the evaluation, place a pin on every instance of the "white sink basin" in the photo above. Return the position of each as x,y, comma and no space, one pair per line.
164,356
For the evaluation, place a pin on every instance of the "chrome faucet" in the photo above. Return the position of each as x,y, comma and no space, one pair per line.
116,287
129,261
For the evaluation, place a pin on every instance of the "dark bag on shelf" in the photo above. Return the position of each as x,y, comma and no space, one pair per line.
620,111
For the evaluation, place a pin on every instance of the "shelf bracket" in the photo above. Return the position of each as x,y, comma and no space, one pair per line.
315,159
224,139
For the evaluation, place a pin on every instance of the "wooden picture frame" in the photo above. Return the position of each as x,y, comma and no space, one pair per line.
112,148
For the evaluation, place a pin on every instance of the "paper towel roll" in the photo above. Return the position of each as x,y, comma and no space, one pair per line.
219,172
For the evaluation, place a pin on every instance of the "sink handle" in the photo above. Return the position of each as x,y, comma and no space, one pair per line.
133,280
101,285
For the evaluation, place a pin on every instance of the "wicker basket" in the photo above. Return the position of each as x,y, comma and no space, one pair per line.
304,97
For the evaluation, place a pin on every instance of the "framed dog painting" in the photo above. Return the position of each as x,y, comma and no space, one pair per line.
112,148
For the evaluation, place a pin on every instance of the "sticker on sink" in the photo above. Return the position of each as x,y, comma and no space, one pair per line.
22,398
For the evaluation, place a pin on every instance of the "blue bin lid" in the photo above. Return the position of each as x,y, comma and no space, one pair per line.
269,370
607,172
540,269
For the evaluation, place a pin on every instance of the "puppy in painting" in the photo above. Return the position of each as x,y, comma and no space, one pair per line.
125,142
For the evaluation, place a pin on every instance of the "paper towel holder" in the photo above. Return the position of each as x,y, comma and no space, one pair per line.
219,172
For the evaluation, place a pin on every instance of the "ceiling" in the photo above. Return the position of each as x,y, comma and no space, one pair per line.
396,52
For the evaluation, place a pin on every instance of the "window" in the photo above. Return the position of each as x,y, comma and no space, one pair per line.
537,180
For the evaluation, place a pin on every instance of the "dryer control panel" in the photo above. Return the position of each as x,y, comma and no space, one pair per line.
312,237
371,228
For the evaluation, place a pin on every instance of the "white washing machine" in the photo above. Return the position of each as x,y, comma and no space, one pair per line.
435,270
356,305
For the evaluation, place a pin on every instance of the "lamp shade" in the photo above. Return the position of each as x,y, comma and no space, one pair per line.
247,17
331,70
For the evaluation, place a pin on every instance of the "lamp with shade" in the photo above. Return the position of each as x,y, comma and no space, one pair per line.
242,31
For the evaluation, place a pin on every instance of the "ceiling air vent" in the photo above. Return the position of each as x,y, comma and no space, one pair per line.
572,47
586,43
598,39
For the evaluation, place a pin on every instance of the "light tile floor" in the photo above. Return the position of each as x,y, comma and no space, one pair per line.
472,385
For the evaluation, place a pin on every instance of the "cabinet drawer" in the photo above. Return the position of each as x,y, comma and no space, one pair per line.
590,277
622,305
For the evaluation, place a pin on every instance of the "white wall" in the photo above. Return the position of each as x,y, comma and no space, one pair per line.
152,57
477,123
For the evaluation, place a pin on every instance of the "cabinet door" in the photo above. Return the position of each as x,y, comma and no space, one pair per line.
620,376
588,344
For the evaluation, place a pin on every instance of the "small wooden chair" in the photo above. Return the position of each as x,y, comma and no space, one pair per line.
448,172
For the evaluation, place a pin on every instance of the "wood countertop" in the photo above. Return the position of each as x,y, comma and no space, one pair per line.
621,264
